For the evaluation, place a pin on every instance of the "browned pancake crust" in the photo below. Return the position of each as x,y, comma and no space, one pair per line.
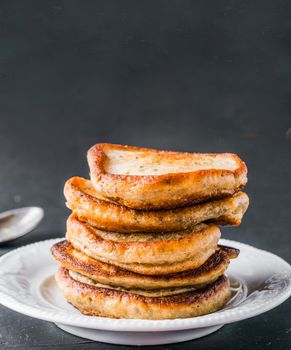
106,302
83,199
165,191
72,259
145,253
158,292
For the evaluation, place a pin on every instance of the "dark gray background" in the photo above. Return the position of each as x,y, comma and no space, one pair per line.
197,76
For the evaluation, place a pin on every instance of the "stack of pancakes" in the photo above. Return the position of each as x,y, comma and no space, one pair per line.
136,247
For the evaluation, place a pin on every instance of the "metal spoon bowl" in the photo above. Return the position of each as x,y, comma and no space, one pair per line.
18,222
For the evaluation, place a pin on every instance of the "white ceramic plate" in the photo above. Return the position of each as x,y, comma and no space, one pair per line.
260,281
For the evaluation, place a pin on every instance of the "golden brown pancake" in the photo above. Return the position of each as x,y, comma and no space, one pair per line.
83,199
161,292
106,302
67,256
145,253
143,178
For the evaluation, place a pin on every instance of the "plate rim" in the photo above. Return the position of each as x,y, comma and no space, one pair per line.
139,325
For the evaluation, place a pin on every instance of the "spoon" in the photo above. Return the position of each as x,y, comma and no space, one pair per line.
18,222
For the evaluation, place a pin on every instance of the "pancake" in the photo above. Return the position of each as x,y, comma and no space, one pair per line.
144,178
106,302
67,256
162,292
145,253
83,199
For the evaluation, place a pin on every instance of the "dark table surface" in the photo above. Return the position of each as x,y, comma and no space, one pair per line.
197,76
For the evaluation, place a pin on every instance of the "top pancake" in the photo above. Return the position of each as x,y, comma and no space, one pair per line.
85,201
142,178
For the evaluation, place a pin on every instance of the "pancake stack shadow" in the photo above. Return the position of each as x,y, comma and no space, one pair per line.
160,263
